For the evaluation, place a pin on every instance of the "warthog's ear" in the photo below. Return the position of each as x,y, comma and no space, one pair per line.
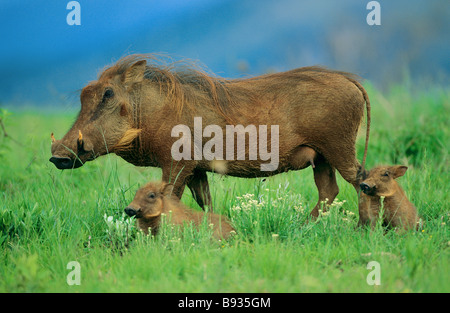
167,190
398,170
135,73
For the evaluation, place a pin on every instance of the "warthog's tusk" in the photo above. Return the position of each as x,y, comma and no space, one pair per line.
80,136
53,138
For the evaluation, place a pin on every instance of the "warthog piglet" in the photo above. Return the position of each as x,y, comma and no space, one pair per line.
155,199
398,210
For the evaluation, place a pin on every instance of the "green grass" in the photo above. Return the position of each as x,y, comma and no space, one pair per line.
50,217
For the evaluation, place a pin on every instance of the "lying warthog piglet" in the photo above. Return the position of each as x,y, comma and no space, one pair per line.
398,210
155,199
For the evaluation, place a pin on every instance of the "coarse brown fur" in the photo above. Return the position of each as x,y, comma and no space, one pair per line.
399,212
155,199
133,106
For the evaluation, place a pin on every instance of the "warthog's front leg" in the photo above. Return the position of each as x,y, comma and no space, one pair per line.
177,173
183,173
198,184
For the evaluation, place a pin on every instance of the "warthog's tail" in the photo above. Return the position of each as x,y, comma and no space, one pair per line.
366,99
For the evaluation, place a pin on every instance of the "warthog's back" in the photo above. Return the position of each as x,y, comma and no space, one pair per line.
310,106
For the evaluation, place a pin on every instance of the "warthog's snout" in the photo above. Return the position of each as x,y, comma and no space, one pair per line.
368,190
63,160
131,211
64,163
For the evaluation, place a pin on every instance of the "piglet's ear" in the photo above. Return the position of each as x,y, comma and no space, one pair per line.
398,170
167,190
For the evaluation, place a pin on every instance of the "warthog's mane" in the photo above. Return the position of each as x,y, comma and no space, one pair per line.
188,83
184,82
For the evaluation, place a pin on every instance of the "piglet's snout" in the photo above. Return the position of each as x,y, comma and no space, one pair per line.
130,211
366,188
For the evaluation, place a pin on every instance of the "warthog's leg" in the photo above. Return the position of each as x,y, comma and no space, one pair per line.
198,184
177,174
325,179
181,174
345,162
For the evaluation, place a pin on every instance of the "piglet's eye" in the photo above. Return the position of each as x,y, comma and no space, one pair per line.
151,195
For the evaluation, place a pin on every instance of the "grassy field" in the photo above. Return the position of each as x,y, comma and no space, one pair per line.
49,218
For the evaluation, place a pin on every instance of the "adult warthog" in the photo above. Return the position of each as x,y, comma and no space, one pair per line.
134,105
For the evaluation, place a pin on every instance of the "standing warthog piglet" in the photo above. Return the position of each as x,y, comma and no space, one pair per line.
398,210
155,199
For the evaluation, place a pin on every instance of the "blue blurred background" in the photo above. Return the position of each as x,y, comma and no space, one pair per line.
44,61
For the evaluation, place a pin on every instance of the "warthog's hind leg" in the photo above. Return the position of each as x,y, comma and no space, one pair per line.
325,179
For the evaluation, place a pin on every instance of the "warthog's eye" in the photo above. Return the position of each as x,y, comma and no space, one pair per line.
109,93
385,174
152,195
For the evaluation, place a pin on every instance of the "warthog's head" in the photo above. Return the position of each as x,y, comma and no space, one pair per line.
108,120
380,180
